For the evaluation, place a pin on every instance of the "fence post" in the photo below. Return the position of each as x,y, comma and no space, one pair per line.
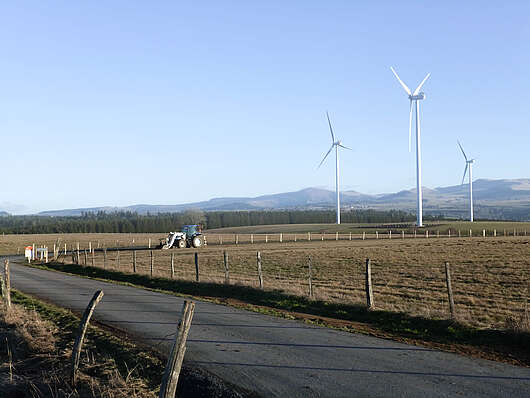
237,239
76,351
483,233
134,261
227,270
252,238
470,233
149,244
437,233
415,233
6,286
364,235
427,233
266,238
310,278
336,236
390,234
86,257
205,242
174,364
172,265
295,237
90,247
309,236
152,263
350,235
459,234
93,260
104,258
369,292
376,235
281,237
402,234
322,237
449,290
118,258
260,276
196,267
449,232
495,232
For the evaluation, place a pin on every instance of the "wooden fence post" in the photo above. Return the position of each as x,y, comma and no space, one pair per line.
390,234
6,286
237,239
369,292
86,257
450,290
252,238
149,244
196,267
415,233
364,235
118,258
336,236
470,233
266,238
93,259
310,278
402,234
227,271
449,232
90,247
76,351
260,275
427,233
174,364
281,237
151,264
134,261
376,235
483,233
172,265
295,237
459,234
495,232
350,235
309,236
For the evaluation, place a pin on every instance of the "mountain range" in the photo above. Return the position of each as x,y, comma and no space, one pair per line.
495,199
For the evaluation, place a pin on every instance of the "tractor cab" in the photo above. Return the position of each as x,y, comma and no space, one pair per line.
191,230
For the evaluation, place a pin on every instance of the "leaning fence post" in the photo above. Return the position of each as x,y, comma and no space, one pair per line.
450,290
134,261
76,351
196,267
369,292
310,278
260,276
174,363
6,286
172,265
227,271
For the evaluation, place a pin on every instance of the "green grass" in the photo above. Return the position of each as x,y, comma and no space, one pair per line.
499,344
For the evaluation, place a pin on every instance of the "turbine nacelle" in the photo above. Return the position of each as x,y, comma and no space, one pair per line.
418,97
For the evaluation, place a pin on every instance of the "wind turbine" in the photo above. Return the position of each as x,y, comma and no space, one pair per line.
336,144
415,97
469,164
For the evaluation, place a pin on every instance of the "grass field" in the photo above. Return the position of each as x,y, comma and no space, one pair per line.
491,276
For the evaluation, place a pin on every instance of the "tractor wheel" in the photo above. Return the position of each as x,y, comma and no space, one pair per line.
181,243
196,241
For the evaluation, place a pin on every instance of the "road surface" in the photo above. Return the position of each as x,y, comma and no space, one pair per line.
279,357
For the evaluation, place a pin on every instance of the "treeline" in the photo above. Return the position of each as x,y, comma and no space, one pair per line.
124,222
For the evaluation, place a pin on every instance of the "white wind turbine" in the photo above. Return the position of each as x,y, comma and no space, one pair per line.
415,97
469,164
335,144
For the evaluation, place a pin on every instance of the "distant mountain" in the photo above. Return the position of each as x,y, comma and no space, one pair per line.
492,199
4,213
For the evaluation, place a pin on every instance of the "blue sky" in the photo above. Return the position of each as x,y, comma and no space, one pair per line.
124,102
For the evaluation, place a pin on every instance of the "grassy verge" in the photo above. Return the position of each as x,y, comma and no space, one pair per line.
36,359
512,346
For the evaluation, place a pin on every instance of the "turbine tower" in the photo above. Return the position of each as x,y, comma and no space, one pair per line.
469,164
335,144
415,97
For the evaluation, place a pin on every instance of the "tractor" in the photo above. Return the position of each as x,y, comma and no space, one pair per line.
189,236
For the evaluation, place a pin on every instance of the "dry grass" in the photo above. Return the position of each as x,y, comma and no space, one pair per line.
34,363
491,277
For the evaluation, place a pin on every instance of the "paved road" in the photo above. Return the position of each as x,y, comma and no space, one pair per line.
279,357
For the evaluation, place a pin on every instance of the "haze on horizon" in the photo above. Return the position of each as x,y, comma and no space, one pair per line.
130,102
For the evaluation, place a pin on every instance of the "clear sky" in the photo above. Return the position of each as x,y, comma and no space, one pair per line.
127,102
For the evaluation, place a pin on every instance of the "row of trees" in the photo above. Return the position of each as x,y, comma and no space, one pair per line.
132,222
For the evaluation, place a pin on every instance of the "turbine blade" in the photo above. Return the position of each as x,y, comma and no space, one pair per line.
330,128
421,84
462,149
410,124
465,171
345,147
325,157
401,82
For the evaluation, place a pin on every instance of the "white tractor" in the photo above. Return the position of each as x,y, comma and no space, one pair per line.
189,236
